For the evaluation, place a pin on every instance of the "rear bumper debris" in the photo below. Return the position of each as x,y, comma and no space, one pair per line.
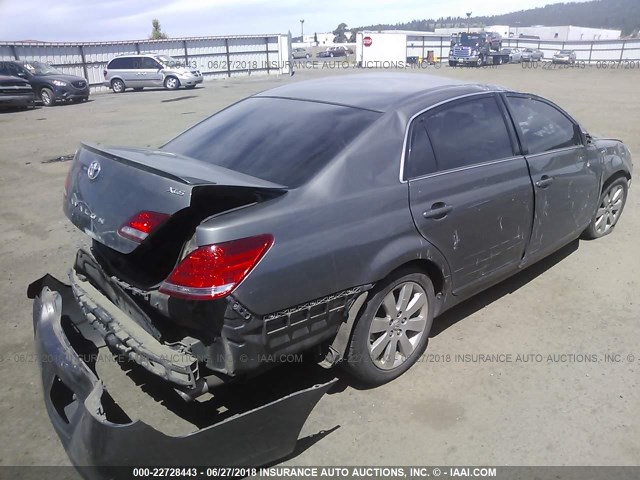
96,433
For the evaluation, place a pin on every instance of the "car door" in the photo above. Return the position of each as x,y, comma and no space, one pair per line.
126,68
469,190
566,178
150,73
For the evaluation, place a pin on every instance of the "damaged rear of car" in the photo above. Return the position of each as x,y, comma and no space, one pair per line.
173,241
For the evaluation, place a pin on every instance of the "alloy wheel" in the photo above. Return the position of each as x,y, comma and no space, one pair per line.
45,96
609,209
398,325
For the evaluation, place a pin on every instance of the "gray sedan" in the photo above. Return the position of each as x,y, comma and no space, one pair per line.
515,55
244,239
564,56
531,55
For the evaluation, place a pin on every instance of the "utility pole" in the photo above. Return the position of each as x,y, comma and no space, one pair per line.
468,20
302,30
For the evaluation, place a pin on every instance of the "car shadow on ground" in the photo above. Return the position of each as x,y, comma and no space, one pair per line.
237,398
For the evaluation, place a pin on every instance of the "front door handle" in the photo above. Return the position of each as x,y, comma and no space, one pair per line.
544,181
438,210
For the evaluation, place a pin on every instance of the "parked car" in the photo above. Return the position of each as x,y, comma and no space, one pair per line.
149,70
49,84
15,92
332,52
515,54
564,56
300,53
244,240
531,55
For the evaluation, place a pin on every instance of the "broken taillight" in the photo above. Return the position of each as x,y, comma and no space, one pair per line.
138,227
214,271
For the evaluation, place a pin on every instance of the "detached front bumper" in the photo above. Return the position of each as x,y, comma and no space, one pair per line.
97,434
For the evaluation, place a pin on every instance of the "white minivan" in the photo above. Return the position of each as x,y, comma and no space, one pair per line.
149,70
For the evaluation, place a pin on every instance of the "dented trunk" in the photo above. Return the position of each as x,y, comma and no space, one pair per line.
112,189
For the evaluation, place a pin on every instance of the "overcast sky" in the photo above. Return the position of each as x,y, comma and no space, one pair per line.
86,20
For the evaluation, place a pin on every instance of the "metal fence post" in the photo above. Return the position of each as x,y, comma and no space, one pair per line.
186,52
226,47
624,42
440,60
590,51
137,45
15,52
84,62
266,42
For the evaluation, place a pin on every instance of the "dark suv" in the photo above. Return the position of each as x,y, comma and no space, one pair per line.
49,85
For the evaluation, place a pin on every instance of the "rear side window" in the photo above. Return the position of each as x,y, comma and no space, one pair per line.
468,132
122,63
279,140
420,158
543,126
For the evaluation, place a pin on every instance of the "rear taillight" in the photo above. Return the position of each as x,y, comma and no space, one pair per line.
138,227
214,271
104,72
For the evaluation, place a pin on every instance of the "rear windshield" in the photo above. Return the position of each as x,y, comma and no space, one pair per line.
278,140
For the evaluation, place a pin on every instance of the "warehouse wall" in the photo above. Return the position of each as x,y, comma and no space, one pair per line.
215,57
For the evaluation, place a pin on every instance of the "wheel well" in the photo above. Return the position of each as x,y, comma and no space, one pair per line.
116,78
430,268
614,177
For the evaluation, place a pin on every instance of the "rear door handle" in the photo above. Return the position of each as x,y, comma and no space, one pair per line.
544,181
438,210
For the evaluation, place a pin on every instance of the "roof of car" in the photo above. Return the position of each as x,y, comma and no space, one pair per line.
373,91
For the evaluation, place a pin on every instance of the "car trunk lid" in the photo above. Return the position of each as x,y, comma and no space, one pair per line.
108,186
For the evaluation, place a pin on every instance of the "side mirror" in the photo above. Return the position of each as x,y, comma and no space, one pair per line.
588,137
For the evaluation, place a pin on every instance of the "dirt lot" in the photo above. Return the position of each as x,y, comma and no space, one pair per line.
448,409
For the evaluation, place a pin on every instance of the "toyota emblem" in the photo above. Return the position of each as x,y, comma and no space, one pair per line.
94,170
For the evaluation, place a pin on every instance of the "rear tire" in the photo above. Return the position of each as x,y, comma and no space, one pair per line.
393,329
117,86
609,210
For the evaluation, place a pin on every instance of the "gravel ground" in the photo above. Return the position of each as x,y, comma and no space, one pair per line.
546,407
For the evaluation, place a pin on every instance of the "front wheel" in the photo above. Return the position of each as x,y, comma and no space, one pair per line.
393,329
609,210
46,95
452,63
171,83
480,62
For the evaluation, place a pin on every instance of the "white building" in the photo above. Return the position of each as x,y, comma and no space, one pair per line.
323,38
565,33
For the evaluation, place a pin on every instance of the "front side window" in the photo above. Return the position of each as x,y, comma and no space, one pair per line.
149,63
468,132
39,68
543,126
